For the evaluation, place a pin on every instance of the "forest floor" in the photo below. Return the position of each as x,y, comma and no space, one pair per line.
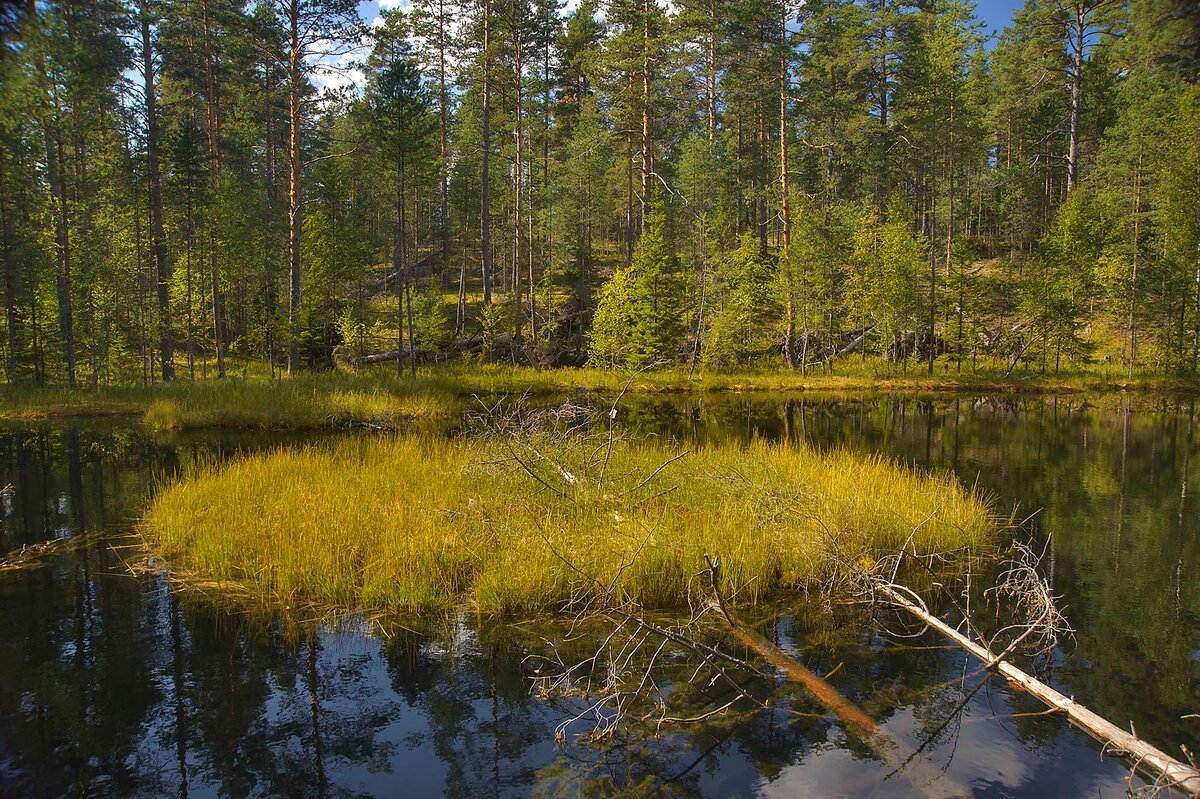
379,397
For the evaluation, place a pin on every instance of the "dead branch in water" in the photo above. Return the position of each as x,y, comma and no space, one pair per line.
1027,591
34,556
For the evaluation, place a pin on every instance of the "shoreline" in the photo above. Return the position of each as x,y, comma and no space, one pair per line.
339,399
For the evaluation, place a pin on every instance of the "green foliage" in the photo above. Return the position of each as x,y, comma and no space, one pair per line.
905,137
432,325
637,317
495,321
883,287
745,295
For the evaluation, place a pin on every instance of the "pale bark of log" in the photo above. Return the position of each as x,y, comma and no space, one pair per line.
1116,741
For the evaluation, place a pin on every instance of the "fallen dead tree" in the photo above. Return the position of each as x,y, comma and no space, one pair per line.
1164,770
633,676
423,355
1030,591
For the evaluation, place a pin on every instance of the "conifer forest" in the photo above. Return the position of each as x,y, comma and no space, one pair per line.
193,187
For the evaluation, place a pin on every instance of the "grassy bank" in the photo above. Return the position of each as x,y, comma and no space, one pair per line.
872,375
307,402
380,398
416,523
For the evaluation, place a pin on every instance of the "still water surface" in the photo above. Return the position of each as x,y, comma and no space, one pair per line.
112,686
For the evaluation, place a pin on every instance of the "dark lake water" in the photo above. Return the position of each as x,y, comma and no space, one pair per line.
111,685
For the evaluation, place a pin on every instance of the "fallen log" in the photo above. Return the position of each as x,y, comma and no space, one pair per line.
932,782
857,340
382,357
1164,769
849,714
466,345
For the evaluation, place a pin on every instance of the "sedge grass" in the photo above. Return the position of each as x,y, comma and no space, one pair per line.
417,523
378,397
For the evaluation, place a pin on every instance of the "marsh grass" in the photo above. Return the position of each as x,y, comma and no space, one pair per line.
308,402
850,376
420,523
378,397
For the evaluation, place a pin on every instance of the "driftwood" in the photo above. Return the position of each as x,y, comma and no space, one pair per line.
1166,770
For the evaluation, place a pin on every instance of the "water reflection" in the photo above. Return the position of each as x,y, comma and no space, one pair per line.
110,685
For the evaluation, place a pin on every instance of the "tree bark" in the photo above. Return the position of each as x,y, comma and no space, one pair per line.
647,155
485,209
1078,32
7,237
518,178
1116,740
710,77
295,71
443,142
1133,278
789,344
158,242
884,132
212,107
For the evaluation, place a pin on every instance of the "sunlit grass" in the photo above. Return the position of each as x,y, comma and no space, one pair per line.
379,397
850,376
415,523
309,402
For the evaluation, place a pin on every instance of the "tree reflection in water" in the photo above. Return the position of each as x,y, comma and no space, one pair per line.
109,685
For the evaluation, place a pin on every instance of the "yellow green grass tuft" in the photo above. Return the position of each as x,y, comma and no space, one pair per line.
300,403
419,523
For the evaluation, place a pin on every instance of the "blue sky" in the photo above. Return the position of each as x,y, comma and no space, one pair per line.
994,14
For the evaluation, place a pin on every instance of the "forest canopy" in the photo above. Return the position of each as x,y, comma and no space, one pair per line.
190,184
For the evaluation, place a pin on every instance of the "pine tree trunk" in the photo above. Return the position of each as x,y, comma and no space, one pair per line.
1133,278
518,180
485,209
408,276
398,257
647,156
1078,31
628,198
932,270
7,237
710,77
158,241
189,229
443,142
950,228
295,76
881,191
789,342
212,107
269,165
